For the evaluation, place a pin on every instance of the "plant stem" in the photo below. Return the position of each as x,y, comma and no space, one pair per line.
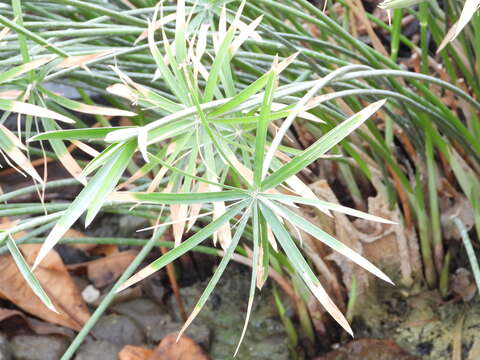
111,294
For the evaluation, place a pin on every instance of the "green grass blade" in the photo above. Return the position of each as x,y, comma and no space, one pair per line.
33,110
85,108
63,154
32,36
109,183
321,146
75,134
302,267
184,247
22,69
222,56
470,252
262,128
100,185
327,239
290,199
243,95
28,275
179,198
254,278
218,273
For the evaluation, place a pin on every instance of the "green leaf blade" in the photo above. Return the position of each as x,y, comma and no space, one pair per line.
321,146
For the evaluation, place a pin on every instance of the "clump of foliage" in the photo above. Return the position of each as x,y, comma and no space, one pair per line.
213,93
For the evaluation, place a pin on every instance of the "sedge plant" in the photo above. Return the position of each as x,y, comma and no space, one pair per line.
213,95
197,141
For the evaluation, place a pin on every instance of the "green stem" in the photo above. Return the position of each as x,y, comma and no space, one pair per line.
111,294
396,32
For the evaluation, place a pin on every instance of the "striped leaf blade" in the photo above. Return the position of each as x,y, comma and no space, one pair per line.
22,69
75,134
328,240
301,266
218,273
33,110
28,275
184,247
321,146
85,108
178,198
89,198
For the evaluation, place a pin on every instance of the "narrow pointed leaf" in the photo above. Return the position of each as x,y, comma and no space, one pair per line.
90,197
184,247
330,241
85,108
253,281
289,199
75,134
321,146
218,273
178,198
33,110
469,9
262,128
22,69
301,266
109,183
64,156
243,95
27,274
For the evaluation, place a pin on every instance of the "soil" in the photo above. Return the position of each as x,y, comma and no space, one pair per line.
420,323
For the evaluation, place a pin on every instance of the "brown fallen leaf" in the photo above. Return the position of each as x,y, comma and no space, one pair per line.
184,349
105,249
73,233
105,270
130,352
13,320
55,280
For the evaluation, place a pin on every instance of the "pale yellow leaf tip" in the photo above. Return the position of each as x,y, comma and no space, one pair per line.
142,274
52,308
190,319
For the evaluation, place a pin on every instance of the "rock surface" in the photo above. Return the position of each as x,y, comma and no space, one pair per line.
224,313
35,347
421,324
119,330
147,315
5,350
369,349
98,350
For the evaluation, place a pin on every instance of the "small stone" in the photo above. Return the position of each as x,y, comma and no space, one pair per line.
148,315
36,347
5,350
154,288
98,350
118,329
90,294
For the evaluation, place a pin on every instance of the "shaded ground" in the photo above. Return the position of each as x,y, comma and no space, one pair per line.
422,324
